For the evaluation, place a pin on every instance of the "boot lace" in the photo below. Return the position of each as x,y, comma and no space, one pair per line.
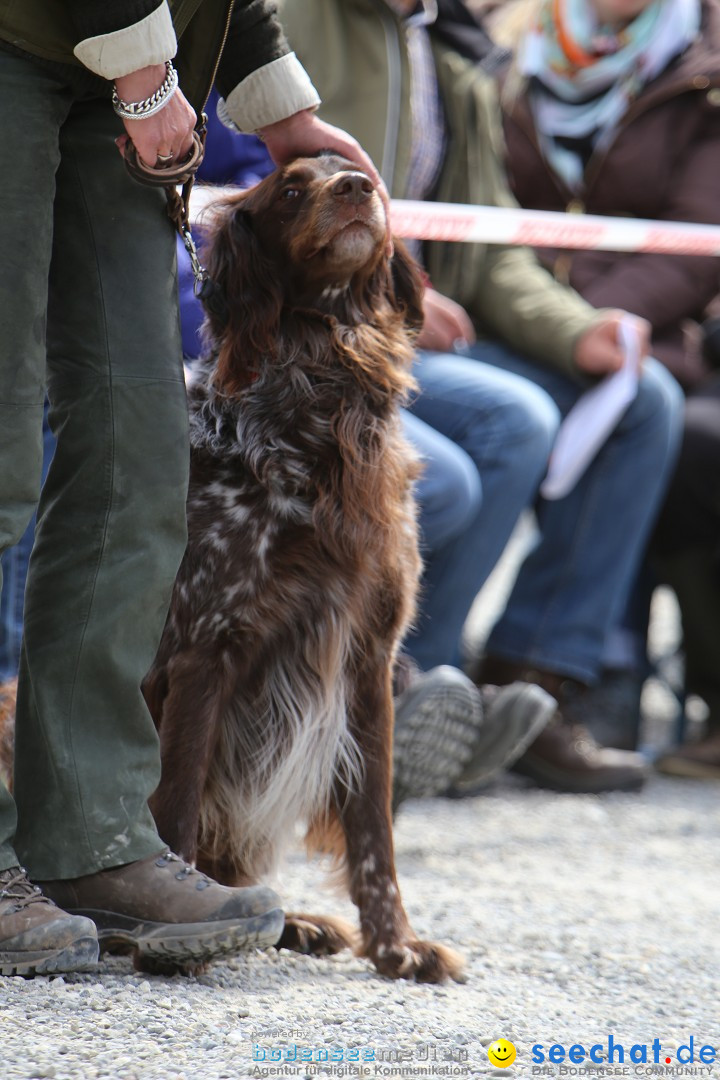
19,890
185,871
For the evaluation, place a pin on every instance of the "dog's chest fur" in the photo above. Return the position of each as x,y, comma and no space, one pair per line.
272,536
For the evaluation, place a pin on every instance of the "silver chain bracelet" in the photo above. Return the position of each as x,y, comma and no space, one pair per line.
140,110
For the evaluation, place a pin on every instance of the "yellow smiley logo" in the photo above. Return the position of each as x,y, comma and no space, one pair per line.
501,1053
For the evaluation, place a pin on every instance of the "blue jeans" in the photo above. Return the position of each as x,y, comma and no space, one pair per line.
14,565
572,587
484,436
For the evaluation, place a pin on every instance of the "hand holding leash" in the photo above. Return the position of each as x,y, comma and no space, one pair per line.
162,174
158,119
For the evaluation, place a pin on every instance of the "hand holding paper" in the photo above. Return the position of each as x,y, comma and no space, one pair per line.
592,419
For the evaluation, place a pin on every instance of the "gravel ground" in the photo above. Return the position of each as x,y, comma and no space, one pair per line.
582,919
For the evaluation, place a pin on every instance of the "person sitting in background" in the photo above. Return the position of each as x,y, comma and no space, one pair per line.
613,107
413,86
686,546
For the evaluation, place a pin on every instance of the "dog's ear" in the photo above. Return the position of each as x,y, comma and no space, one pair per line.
408,285
244,315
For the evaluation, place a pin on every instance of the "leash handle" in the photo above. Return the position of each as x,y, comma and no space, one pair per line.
180,173
178,201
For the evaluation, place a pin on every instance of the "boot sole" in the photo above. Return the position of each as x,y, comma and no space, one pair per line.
574,783
435,728
81,955
514,719
167,947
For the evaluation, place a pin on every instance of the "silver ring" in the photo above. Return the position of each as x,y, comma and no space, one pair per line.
163,160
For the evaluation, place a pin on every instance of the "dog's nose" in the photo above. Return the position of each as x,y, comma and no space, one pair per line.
353,187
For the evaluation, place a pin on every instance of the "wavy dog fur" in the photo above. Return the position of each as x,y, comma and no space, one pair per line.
272,685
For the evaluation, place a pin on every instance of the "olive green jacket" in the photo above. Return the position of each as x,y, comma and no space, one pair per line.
356,51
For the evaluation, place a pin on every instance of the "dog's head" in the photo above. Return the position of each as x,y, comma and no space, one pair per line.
309,240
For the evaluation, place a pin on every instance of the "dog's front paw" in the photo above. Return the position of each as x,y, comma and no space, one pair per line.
317,935
423,961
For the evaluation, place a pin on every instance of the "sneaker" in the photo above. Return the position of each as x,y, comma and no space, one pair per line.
437,718
36,937
168,915
513,717
699,760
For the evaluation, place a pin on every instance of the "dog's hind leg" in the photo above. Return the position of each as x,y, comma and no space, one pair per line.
198,691
387,938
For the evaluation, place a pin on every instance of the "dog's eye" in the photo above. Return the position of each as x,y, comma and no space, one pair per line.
290,193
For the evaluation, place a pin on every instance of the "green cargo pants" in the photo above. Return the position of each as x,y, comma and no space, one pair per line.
88,311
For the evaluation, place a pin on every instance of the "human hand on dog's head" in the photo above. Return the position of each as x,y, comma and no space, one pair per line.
305,134
599,351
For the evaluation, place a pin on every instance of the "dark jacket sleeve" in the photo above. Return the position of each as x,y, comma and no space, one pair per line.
254,38
93,18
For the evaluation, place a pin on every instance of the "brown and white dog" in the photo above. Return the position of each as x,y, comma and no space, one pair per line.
272,685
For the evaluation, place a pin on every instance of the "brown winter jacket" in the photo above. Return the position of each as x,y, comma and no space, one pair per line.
663,163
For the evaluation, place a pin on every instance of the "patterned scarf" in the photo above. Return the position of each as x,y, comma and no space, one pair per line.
585,75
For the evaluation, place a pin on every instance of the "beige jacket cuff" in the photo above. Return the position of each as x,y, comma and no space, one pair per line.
150,41
273,92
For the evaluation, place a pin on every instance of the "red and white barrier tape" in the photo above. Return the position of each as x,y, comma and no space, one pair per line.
538,228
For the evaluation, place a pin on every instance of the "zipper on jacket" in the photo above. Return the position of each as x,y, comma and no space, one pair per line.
218,57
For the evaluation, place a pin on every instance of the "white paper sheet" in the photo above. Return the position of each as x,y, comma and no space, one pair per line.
592,419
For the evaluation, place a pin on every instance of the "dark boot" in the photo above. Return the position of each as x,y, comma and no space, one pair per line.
564,756
168,914
697,760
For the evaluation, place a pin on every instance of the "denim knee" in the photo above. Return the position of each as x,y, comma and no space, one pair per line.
531,424
449,496
449,491
659,405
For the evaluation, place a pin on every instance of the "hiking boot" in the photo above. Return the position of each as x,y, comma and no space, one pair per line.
565,756
610,709
437,717
36,937
513,717
168,915
699,760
